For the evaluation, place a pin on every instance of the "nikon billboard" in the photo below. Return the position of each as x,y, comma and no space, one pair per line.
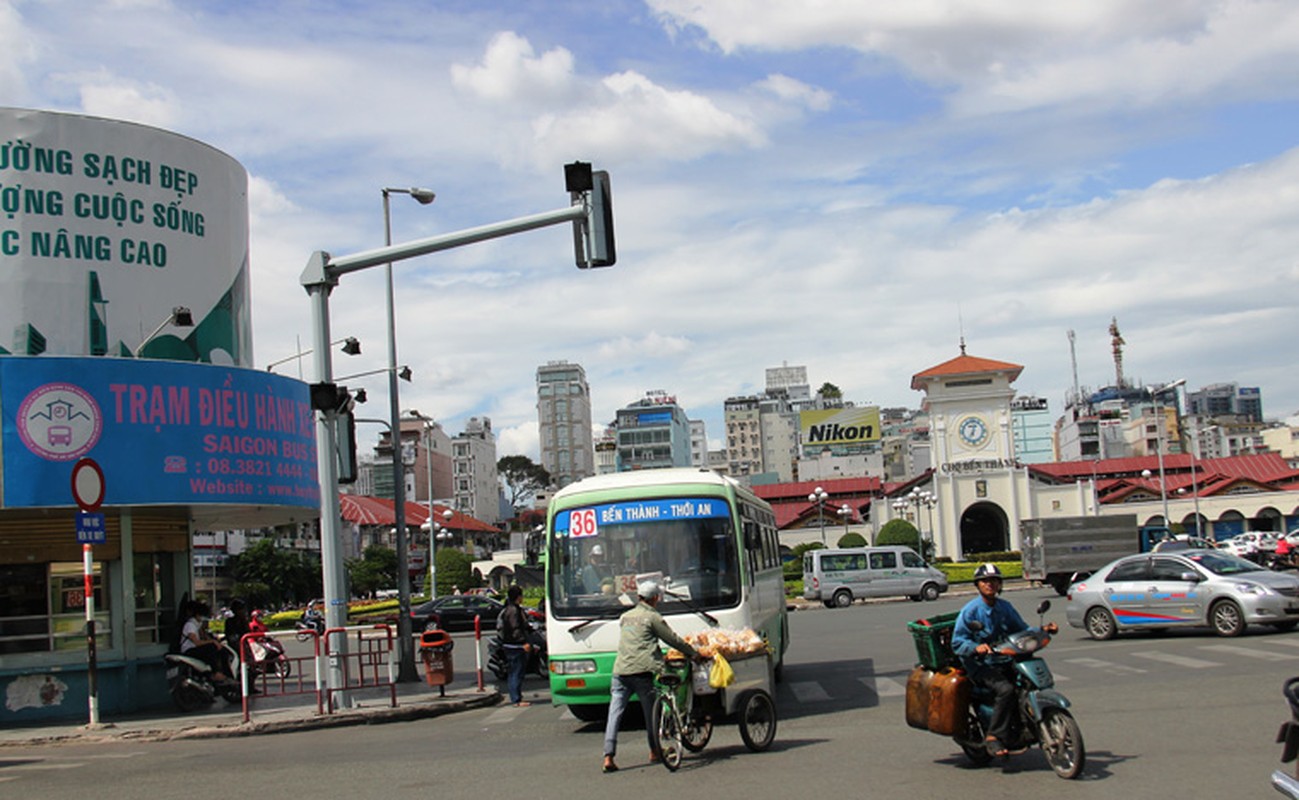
840,426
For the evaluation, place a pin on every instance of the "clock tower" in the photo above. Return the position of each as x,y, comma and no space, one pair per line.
978,486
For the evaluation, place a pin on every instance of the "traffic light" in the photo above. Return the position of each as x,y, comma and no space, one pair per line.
593,243
345,436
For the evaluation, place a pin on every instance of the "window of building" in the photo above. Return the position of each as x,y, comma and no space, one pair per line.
44,608
155,598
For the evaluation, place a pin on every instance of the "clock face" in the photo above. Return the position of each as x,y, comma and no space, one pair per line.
973,432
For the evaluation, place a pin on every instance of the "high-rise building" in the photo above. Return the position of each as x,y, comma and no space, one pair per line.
653,433
1031,424
698,443
1226,399
564,422
476,487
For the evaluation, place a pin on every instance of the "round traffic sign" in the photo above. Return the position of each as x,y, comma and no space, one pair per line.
88,484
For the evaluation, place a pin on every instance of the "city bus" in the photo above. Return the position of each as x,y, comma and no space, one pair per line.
709,541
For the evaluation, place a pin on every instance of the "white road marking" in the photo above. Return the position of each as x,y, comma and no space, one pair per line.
885,687
1108,666
1248,652
809,692
1178,661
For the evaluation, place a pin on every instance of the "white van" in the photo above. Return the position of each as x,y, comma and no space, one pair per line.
837,577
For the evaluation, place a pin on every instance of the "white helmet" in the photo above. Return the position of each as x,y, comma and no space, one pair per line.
649,589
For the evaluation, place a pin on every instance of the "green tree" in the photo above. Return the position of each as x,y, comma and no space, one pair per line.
522,477
287,575
794,566
376,569
830,392
852,539
454,568
899,531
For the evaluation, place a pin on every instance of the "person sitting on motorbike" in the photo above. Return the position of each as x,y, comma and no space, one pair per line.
196,642
996,619
1284,553
314,617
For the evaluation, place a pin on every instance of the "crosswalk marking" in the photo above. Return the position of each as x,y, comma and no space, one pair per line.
809,692
1288,641
1109,666
1248,652
884,687
1178,661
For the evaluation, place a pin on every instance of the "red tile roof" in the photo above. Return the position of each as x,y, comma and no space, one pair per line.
366,510
965,365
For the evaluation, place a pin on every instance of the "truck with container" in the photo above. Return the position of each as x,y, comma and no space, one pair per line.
1060,550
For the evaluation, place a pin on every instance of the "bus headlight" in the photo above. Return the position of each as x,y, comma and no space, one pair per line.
580,666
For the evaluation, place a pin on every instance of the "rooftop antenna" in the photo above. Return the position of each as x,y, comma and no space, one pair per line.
1073,362
1116,345
960,319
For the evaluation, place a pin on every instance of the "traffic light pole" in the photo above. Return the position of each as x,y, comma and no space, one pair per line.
591,213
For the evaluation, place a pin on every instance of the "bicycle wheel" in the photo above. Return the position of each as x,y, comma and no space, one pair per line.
667,732
696,733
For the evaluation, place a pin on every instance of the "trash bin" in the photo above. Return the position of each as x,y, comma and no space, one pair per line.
435,649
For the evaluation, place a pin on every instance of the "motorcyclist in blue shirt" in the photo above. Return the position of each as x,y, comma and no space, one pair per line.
996,619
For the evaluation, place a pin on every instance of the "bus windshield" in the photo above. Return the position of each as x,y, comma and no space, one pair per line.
598,553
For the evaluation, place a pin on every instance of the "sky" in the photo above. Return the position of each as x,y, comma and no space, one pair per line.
848,185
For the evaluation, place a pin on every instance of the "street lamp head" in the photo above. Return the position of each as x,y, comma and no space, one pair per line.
422,196
404,374
181,317
1145,473
359,395
352,346
447,514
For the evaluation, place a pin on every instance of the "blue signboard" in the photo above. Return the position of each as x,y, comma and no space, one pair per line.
164,432
587,521
90,528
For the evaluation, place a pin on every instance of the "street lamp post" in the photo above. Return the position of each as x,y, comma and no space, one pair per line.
845,514
407,671
819,497
179,317
1159,442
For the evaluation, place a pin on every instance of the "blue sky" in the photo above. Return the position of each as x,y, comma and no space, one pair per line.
848,185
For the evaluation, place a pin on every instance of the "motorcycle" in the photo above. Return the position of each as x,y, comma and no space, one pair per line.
191,682
1282,781
537,662
310,627
1042,719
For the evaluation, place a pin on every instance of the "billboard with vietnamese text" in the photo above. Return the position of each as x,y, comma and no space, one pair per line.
164,433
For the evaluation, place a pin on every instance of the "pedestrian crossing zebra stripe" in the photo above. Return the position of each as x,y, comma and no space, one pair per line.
1249,652
1178,661
809,692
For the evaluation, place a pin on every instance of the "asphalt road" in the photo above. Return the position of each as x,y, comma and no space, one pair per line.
1163,717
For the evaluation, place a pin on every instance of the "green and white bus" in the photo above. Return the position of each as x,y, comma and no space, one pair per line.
710,542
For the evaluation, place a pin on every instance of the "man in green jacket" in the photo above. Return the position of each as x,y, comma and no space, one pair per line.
639,659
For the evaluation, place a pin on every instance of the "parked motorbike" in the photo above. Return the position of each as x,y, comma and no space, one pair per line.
537,662
191,682
1043,717
1282,781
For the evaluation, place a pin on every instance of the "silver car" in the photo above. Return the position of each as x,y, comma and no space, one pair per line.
1193,588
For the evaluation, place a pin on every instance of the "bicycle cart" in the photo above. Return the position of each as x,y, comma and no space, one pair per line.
685,708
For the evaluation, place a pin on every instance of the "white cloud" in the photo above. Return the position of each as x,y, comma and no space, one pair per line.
1003,55
796,91
511,72
634,119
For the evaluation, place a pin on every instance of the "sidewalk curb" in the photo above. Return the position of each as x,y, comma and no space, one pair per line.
420,709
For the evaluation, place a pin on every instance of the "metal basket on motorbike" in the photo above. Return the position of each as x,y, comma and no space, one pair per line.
933,639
